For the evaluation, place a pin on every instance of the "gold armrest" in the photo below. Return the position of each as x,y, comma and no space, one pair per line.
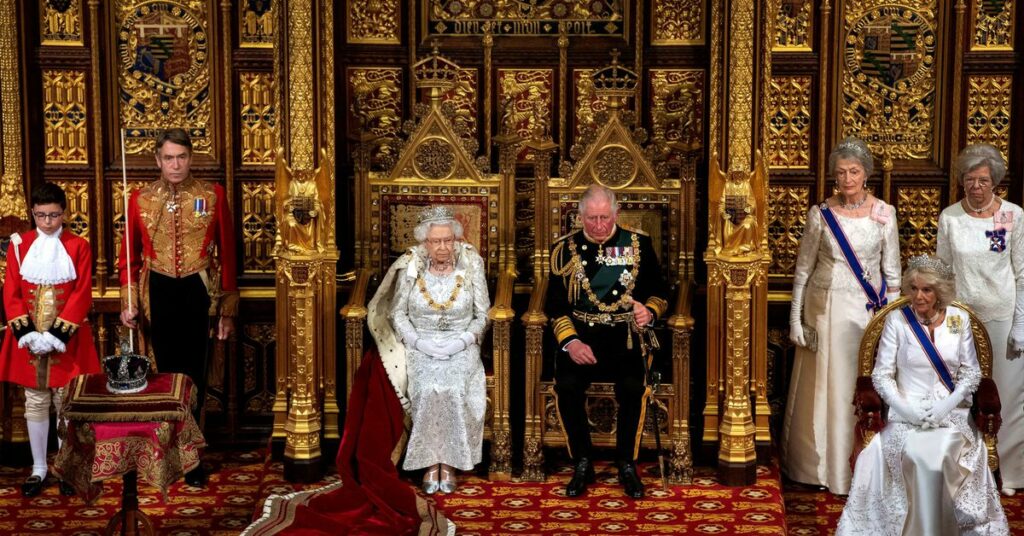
355,309
681,319
534,316
502,311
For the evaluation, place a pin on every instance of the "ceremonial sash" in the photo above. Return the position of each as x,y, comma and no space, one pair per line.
876,298
929,348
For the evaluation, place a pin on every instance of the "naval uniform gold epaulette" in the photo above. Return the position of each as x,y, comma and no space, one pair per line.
560,263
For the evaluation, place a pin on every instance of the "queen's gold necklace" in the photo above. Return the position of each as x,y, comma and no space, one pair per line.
443,307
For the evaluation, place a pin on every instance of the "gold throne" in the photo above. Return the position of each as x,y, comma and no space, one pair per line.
654,186
434,165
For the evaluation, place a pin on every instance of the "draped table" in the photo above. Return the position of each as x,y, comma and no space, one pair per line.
149,435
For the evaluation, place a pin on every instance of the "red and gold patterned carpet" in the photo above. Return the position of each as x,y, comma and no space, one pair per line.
243,479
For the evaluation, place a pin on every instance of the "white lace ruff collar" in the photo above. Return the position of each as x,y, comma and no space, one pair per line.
47,262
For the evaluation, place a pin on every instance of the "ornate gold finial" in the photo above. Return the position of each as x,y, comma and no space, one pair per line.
435,71
615,83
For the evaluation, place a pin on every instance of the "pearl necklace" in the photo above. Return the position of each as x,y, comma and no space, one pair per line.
982,209
854,206
929,321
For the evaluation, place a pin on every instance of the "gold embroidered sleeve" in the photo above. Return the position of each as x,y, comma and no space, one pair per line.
21,325
564,329
130,297
63,329
657,305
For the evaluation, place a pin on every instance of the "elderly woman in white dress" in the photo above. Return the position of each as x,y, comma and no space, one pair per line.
982,237
927,471
847,268
436,297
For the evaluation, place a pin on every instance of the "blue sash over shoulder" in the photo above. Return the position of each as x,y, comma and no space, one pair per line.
929,349
876,298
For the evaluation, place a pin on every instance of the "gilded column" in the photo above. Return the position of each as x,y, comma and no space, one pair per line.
12,201
100,234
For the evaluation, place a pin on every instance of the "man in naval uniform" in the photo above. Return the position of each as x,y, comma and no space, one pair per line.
603,279
182,266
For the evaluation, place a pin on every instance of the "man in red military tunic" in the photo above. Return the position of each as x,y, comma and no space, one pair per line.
182,265
47,297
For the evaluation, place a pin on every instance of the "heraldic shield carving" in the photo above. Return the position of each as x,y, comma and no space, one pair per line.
164,56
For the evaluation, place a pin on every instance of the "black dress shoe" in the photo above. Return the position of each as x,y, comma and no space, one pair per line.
196,477
33,486
582,475
67,489
630,480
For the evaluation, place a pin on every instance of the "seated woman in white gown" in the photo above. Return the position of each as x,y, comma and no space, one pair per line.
926,472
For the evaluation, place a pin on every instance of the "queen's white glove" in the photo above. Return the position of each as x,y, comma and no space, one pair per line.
468,339
433,349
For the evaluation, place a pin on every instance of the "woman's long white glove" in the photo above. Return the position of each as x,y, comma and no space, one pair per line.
796,325
1016,341
907,411
941,409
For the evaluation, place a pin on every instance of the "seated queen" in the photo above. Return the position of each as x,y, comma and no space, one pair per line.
428,318
926,472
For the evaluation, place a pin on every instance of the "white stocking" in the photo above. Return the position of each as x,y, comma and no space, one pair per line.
37,435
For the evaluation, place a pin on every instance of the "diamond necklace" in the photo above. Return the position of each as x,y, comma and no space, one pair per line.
929,321
855,206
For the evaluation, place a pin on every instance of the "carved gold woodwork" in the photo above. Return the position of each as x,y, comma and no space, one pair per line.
375,23
677,22
375,105
462,99
65,114
433,163
526,105
789,130
794,24
738,259
60,23
787,215
917,213
258,118
612,150
12,189
585,100
301,87
526,17
256,23
76,215
164,71
993,24
742,50
889,78
677,106
989,102
259,226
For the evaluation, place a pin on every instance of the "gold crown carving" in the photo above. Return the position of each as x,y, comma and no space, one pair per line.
435,71
932,264
437,214
615,80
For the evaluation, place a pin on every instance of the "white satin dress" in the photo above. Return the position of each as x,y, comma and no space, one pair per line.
915,481
817,434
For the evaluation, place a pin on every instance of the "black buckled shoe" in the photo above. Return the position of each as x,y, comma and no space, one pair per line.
196,477
33,486
582,475
66,489
630,480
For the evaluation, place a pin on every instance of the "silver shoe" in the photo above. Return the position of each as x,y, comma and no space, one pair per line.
430,482
448,484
